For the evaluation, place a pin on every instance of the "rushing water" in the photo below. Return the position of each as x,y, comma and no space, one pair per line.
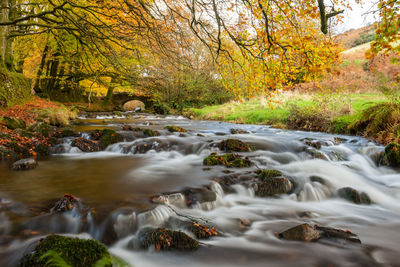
117,186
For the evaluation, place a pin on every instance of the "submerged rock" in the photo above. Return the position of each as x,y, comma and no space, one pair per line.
165,239
175,129
199,195
73,251
303,232
24,164
392,154
239,131
228,160
67,203
86,145
150,133
234,145
329,232
353,195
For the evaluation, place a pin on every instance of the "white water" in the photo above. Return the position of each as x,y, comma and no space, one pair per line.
248,223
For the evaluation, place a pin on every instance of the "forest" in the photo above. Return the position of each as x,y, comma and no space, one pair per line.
134,131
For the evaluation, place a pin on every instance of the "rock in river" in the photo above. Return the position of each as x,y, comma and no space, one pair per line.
24,164
165,239
353,195
234,145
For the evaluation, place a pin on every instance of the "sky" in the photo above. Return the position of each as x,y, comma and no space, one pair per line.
359,16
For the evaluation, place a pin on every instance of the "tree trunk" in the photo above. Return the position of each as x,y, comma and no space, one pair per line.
36,86
8,12
110,92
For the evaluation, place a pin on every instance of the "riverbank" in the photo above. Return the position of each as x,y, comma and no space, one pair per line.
340,113
29,129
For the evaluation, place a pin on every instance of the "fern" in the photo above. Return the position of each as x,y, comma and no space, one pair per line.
53,259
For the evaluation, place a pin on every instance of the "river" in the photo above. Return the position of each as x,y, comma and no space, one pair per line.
117,185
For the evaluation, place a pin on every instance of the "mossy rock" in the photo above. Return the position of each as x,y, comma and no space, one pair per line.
13,123
266,174
229,160
20,150
165,239
392,154
273,186
354,196
74,251
173,129
106,137
234,145
43,129
150,133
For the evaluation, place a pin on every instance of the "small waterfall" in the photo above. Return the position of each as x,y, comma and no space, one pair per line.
314,192
125,224
155,217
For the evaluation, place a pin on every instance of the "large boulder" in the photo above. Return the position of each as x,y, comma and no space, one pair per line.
24,164
71,251
13,123
133,105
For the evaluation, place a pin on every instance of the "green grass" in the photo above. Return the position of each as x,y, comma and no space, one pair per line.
276,114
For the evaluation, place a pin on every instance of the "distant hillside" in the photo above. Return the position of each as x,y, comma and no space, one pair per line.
357,37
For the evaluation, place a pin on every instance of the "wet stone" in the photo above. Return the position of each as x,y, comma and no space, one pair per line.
273,186
234,145
67,203
303,232
354,196
199,195
228,160
86,145
238,131
173,129
166,239
392,154
24,164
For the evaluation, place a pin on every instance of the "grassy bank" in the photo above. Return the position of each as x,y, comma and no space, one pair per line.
335,113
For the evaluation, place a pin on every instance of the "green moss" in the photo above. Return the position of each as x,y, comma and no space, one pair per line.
14,88
59,116
165,239
392,154
175,129
267,174
151,133
74,251
42,128
234,145
13,123
106,137
228,160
